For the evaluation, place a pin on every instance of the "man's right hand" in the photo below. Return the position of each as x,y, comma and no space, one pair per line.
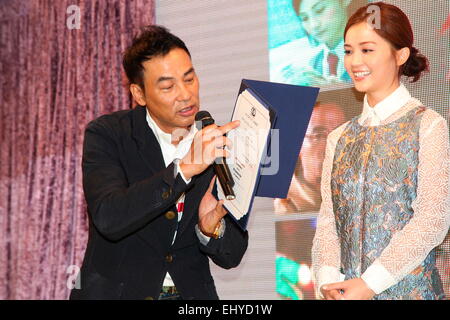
208,144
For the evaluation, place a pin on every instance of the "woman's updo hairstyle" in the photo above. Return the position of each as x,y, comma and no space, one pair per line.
394,26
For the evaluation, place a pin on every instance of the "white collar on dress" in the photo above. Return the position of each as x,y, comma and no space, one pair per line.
385,108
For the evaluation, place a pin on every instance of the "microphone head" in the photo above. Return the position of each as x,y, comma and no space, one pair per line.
199,116
204,118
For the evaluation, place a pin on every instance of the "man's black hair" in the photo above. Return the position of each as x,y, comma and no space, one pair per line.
153,41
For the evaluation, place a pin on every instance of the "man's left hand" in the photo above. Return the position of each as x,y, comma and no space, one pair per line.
210,211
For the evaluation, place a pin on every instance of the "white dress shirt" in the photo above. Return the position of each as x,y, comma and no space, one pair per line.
339,52
171,152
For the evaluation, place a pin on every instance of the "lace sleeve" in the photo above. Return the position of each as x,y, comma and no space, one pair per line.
430,224
326,254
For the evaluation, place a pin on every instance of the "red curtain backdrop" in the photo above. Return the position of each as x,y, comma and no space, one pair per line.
54,80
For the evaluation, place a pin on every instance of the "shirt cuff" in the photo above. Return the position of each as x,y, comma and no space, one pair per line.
378,278
327,274
204,239
178,171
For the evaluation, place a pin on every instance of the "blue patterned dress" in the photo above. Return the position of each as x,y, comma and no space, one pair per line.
373,185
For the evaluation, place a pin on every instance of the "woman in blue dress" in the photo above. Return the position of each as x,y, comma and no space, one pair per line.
385,180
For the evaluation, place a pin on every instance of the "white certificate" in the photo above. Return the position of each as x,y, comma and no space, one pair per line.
248,145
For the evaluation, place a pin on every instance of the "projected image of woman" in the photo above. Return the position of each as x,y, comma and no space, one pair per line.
385,181
318,58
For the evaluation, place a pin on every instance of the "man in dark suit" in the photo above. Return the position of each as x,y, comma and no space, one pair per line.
148,183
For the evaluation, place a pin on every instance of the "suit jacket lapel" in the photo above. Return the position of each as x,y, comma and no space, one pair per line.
151,154
200,184
148,147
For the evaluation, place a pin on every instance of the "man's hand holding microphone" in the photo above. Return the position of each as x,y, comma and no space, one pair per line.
208,145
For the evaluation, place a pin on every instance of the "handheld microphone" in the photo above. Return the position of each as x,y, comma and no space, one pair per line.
220,166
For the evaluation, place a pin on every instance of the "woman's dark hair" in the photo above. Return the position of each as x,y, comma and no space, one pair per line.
396,29
153,41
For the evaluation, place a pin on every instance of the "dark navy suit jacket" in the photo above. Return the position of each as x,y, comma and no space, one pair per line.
131,198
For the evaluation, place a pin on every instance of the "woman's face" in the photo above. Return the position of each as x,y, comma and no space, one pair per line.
324,20
372,62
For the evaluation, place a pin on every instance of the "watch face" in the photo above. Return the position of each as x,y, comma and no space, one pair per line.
221,228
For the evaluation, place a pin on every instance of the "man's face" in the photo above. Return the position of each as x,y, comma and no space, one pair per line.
324,20
324,119
171,90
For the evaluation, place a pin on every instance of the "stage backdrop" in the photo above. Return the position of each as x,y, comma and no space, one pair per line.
60,67
266,40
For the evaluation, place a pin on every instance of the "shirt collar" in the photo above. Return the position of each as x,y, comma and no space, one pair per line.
165,139
385,108
339,51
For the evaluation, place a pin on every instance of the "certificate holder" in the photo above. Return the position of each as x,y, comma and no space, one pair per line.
265,159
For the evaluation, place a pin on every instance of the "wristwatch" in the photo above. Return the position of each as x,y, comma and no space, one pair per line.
219,230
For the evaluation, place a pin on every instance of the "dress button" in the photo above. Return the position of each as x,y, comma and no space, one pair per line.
170,215
169,258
